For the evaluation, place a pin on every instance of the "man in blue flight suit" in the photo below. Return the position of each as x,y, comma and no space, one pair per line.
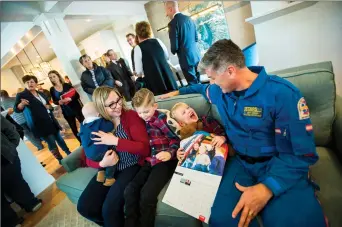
268,123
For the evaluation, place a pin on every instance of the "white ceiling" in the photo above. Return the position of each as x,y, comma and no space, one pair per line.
83,19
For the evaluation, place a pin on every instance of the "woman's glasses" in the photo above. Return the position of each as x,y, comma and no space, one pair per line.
113,105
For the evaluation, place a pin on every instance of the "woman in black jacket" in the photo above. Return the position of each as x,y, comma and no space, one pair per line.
71,106
94,76
39,116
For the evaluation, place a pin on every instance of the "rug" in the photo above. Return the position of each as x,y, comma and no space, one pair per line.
65,215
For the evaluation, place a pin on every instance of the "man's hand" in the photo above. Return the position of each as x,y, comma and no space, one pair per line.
252,201
180,154
169,95
163,156
218,141
61,102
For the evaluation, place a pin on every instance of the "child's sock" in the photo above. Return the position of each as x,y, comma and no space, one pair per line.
100,176
109,182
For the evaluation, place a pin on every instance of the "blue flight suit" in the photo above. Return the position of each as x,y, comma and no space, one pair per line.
270,123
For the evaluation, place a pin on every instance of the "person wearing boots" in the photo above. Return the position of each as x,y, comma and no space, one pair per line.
39,115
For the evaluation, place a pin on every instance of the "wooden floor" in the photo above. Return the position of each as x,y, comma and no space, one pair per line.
51,196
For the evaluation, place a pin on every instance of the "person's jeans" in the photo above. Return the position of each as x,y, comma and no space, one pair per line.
29,135
52,139
141,195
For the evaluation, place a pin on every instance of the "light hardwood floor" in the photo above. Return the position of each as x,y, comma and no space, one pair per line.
51,196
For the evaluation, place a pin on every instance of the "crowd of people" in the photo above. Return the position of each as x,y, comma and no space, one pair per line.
137,154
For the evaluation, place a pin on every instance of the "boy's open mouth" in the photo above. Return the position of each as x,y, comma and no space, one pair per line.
193,116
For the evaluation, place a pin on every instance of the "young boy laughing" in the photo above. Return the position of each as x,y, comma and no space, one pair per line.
141,194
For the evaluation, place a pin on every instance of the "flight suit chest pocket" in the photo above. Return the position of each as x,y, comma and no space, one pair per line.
256,116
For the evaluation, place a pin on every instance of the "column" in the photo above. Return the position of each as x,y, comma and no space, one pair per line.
56,31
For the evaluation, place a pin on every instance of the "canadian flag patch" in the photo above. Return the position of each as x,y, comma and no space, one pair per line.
277,131
308,127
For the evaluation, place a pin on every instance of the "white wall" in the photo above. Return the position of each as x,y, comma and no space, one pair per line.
261,7
98,43
9,82
310,35
240,32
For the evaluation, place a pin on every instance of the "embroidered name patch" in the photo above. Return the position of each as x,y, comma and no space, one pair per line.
303,109
252,111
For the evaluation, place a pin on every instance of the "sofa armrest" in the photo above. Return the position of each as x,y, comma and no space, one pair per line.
73,160
338,126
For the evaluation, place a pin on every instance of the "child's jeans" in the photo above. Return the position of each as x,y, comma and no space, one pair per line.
141,195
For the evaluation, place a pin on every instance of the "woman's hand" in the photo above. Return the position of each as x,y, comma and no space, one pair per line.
10,111
105,138
218,141
109,159
61,102
169,95
23,103
163,156
180,154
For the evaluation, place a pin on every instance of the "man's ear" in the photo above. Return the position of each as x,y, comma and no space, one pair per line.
155,105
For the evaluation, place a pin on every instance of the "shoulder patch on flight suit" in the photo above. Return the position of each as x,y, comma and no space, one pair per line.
252,111
303,109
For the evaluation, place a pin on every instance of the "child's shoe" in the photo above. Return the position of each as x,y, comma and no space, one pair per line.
109,182
100,176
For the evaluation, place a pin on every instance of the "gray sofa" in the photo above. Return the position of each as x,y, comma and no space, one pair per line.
316,81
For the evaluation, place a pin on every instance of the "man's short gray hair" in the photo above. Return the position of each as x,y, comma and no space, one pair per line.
221,54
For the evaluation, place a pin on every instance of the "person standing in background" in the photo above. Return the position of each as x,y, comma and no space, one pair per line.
183,38
94,76
131,41
12,181
105,59
38,113
151,60
71,106
121,74
67,80
8,103
44,91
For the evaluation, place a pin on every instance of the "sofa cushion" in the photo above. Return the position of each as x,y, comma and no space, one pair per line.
318,88
75,182
327,173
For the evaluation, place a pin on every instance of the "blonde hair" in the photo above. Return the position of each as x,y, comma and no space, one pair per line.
143,30
100,96
143,97
174,108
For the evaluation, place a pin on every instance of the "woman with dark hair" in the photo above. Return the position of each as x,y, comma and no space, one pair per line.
38,113
67,97
94,76
151,60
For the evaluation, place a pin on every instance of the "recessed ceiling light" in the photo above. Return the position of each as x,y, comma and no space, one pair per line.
88,20
37,56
